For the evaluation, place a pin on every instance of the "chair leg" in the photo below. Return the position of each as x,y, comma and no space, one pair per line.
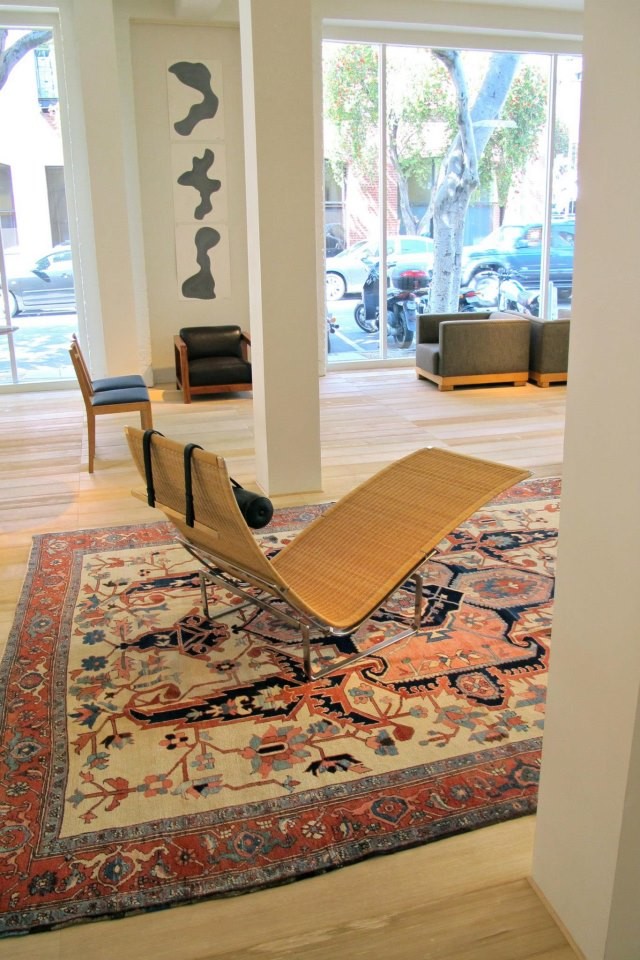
146,417
91,431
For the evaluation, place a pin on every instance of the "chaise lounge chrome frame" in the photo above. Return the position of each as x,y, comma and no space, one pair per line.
213,573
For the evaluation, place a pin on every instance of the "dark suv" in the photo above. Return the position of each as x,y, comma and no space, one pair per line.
519,248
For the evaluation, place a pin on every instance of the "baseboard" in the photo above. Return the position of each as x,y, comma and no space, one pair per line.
556,919
163,376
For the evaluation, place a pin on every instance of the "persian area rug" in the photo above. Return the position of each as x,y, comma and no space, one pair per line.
151,757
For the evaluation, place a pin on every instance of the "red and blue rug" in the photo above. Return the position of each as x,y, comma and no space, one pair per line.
151,757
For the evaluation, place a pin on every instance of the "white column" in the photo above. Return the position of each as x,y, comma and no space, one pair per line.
279,50
587,850
118,339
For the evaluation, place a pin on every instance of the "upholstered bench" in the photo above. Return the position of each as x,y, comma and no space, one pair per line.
453,349
548,351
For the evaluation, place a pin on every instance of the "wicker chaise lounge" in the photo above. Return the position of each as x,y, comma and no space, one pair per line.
341,567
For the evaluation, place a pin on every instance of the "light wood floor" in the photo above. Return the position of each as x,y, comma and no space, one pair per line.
465,898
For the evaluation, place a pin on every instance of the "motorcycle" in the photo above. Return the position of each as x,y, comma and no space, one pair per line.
407,296
406,290
503,289
470,301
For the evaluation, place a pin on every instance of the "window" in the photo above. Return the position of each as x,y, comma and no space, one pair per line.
390,194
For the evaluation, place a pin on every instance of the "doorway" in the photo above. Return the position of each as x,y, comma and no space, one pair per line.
38,302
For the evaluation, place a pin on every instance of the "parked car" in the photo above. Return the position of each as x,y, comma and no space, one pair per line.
47,287
518,248
347,271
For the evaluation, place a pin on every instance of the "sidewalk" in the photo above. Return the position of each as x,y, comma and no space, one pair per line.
41,348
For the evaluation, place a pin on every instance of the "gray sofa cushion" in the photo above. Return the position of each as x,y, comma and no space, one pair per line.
497,345
428,357
428,327
549,346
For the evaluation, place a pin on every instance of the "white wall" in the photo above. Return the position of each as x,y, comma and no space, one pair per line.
153,47
587,856
104,206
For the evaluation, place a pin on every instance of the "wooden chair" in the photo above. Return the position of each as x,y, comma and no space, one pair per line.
106,383
212,360
110,395
340,568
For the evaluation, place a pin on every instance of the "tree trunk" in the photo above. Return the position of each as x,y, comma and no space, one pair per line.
458,176
406,213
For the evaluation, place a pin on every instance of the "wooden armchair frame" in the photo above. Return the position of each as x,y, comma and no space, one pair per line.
181,358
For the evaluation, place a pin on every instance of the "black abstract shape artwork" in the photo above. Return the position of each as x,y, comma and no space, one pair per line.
198,76
202,286
197,177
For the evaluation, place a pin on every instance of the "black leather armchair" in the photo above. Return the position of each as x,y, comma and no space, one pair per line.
212,360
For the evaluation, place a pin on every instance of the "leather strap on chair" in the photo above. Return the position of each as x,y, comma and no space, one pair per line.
189,511
256,510
148,472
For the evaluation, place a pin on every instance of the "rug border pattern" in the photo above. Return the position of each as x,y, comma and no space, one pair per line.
229,883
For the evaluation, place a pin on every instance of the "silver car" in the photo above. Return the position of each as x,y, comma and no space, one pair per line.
347,271
47,287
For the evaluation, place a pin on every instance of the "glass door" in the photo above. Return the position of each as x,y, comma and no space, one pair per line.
38,300
467,225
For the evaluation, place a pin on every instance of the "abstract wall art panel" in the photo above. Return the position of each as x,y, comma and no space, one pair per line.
199,182
196,108
198,164
203,262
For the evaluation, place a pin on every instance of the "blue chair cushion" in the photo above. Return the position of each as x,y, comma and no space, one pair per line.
132,395
117,383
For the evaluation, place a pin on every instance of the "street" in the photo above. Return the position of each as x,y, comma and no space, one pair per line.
41,344
349,342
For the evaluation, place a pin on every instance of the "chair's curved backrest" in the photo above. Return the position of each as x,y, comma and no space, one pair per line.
75,344
81,371
219,526
202,342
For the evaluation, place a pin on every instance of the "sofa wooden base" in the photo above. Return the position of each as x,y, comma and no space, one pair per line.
546,379
518,379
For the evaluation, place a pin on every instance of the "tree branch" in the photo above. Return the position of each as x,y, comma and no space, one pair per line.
12,55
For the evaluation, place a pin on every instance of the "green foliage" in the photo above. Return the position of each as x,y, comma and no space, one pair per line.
424,118
351,104
511,149
420,109
561,139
